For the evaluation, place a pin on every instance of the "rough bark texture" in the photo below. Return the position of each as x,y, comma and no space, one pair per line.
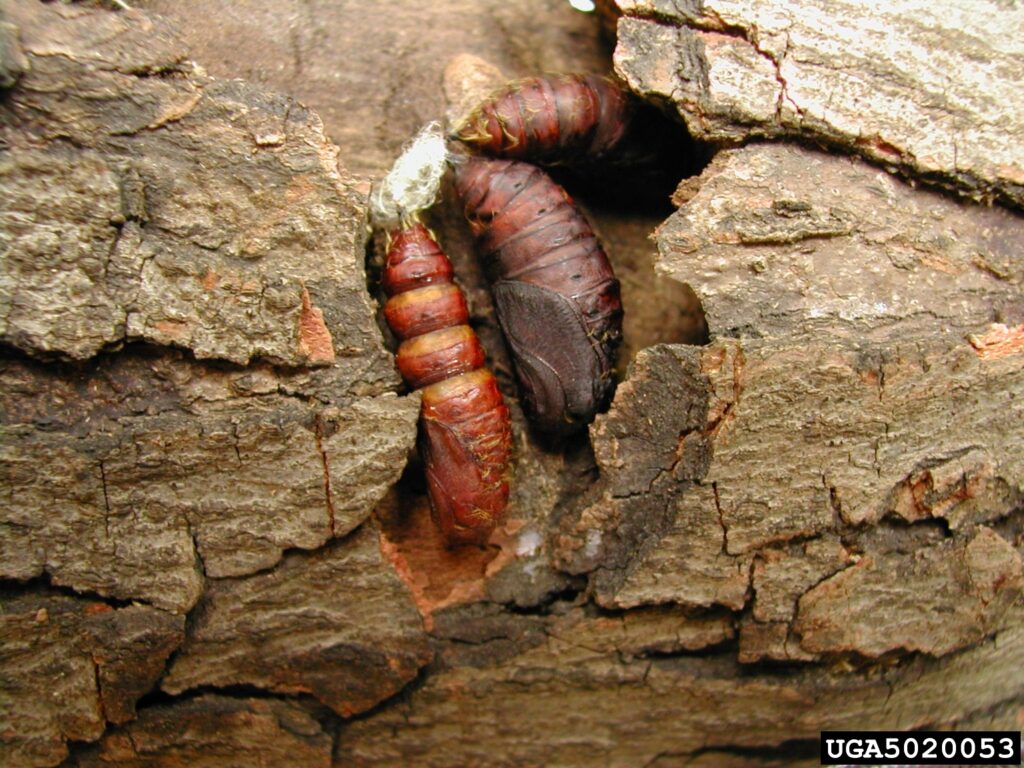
337,623
155,459
209,556
215,732
657,536
144,202
175,209
931,91
785,241
515,712
873,379
70,665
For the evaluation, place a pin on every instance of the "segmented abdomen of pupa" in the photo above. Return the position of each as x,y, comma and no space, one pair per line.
556,118
556,296
465,436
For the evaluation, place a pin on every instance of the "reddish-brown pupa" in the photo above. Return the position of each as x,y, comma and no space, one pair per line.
465,438
556,296
552,119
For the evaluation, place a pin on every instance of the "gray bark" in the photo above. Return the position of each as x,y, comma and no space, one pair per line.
785,241
929,91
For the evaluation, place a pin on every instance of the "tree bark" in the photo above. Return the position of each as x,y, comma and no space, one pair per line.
925,91
212,549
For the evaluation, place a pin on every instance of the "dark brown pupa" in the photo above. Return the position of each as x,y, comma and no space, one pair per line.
556,296
465,436
553,119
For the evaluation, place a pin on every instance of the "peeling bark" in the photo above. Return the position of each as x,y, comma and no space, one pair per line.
179,210
937,600
931,93
786,241
695,519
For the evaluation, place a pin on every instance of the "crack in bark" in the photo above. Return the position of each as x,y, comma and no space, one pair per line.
785,751
721,522
834,501
575,644
234,436
196,553
318,435
701,19
716,425
42,583
750,35
106,501
900,155
99,689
